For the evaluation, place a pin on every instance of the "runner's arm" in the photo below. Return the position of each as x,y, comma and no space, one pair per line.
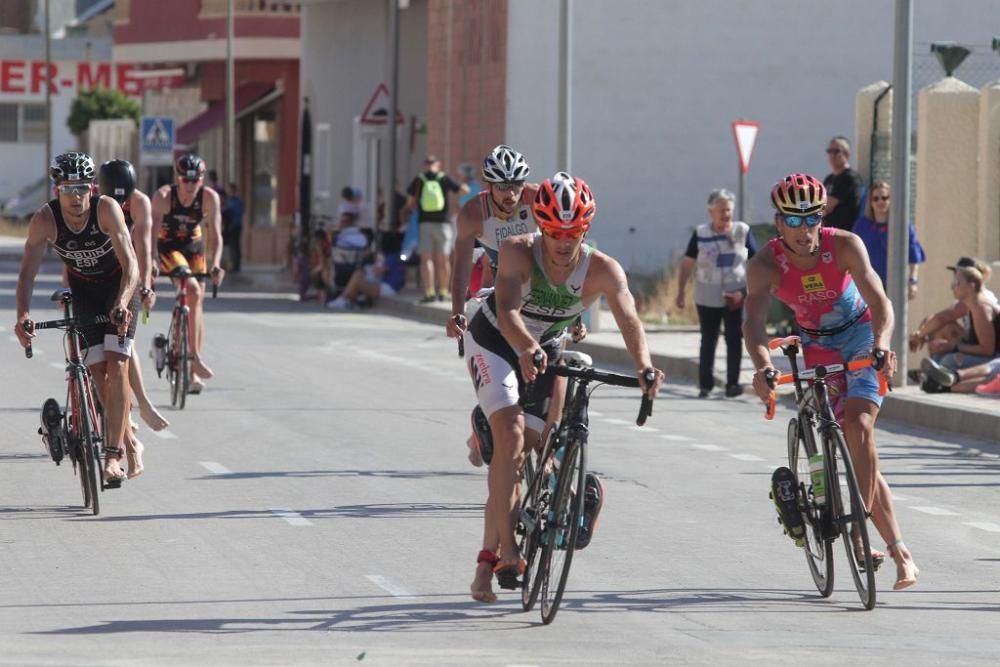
758,300
111,220
213,224
854,258
514,270
469,227
41,230
141,239
158,208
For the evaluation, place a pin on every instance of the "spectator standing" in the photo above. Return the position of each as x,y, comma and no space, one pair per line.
428,194
717,254
232,226
873,228
843,187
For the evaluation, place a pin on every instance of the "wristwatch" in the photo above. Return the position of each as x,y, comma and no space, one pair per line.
144,292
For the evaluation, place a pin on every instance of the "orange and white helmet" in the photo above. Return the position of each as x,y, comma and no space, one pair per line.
798,194
564,206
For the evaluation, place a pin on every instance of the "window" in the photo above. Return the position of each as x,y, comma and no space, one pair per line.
33,123
8,122
22,123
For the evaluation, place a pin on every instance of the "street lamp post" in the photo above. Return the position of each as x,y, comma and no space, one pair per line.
48,93
230,133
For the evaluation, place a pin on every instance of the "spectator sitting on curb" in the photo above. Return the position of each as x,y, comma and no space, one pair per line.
843,187
982,342
984,379
383,277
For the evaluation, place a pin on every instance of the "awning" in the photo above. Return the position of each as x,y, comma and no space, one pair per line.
247,97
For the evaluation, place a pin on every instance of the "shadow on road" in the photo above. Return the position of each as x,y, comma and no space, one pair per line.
370,511
388,474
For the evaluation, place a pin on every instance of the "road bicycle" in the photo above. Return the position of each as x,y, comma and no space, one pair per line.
172,352
551,511
78,431
825,486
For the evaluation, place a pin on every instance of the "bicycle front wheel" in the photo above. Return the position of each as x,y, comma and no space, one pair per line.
533,504
565,515
88,445
852,517
818,552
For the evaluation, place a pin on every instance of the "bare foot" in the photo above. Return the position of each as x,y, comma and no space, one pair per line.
134,450
153,419
482,584
475,457
199,368
113,470
906,570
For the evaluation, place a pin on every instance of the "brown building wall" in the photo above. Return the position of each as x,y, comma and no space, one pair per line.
466,79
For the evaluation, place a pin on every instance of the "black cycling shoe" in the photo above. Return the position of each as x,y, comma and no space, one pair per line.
483,434
51,430
593,500
784,493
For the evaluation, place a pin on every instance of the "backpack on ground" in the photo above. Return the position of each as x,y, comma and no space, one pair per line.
431,194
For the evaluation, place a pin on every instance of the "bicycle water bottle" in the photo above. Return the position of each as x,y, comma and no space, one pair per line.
159,352
818,476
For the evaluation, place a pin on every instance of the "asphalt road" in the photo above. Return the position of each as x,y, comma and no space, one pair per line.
314,506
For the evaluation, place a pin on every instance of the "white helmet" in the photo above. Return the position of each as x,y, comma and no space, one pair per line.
505,165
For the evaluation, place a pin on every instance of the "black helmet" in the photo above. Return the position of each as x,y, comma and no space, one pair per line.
117,180
190,165
73,166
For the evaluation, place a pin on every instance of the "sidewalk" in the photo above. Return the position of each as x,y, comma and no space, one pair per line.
675,350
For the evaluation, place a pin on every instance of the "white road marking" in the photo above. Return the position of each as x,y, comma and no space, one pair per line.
165,435
671,436
390,586
746,457
595,413
643,429
936,511
706,448
984,525
294,518
619,422
215,468
56,364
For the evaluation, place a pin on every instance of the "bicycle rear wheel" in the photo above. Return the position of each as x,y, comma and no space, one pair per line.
565,515
534,501
818,552
851,517
74,444
185,359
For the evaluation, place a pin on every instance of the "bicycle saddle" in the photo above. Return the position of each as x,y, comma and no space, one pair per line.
181,272
573,358
62,295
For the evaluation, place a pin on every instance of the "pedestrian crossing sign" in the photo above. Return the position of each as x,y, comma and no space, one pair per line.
156,139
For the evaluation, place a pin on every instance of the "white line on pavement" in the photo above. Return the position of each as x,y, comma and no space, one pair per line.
165,435
983,525
215,468
595,413
673,436
619,422
291,517
746,457
643,429
936,511
390,586
706,448
56,364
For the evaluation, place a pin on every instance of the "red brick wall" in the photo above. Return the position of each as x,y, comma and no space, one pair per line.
466,79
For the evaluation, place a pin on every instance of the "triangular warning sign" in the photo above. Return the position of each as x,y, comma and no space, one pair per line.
745,132
377,109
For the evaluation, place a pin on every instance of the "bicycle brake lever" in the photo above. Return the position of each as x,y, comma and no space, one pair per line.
28,326
646,408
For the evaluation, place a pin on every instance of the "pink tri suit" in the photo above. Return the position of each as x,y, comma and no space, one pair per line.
833,318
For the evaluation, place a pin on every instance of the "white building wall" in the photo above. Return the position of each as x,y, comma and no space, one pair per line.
343,60
656,85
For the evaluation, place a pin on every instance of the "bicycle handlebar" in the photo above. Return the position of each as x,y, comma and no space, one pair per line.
774,378
182,274
605,377
31,326
460,321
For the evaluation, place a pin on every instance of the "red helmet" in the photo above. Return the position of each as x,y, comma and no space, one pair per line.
564,206
798,194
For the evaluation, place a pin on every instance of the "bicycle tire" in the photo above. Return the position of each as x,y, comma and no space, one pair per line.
73,443
818,552
864,581
173,358
90,455
185,366
566,513
532,502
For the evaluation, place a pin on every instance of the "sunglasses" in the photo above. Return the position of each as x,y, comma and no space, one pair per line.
877,198
185,179
564,234
795,221
834,151
509,187
81,189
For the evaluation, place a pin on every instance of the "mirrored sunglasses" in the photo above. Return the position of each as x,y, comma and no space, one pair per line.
796,221
509,187
564,234
185,179
75,189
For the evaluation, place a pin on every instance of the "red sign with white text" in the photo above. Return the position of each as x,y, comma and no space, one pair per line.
28,77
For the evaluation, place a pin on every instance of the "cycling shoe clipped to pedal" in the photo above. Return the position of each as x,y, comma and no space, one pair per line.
784,493
51,430
483,434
